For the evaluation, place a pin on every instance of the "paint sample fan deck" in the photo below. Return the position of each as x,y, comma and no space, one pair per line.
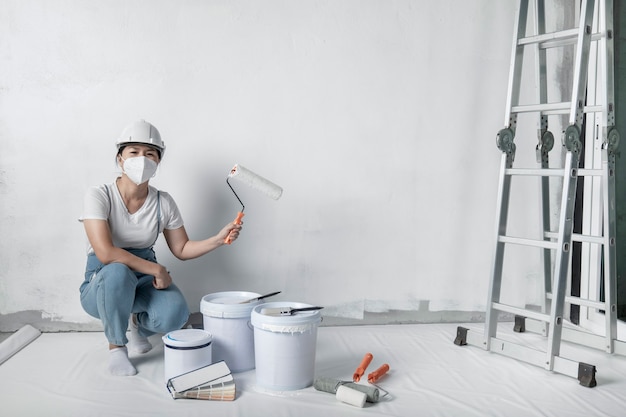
213,382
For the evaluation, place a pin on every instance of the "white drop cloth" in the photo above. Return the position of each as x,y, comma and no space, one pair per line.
65,374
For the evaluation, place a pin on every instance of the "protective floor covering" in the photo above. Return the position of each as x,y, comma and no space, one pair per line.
65,374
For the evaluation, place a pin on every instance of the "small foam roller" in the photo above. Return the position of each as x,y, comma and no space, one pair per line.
255,181
351,396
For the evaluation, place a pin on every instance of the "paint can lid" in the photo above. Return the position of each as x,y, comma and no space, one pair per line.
187,338
227,304
297,323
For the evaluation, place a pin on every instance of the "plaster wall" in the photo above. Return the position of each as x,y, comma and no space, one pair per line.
378,118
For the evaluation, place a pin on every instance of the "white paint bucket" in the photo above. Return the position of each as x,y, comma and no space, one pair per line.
186,350
229,323
285,347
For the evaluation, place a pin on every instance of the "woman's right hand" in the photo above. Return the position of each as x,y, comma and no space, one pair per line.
162,278
230,232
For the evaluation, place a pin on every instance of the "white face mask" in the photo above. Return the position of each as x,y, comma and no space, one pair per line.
139,169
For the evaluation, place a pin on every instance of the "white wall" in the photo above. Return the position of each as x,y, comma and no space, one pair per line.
377,117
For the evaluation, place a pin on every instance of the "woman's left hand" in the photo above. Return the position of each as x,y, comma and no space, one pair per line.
162,278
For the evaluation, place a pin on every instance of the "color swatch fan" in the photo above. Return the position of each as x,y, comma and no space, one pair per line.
212,382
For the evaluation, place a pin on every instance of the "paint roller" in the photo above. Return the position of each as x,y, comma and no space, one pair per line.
346,394
351,392
254,181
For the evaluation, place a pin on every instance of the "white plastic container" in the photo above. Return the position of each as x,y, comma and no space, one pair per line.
285,347
186,350
228,321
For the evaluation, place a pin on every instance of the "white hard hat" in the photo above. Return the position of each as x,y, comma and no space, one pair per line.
142,132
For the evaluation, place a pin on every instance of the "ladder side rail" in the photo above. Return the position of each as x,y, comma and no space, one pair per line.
608,163
581,63
608,58
591,210
544,146
515,69
568,198
495,285
610,255
563,257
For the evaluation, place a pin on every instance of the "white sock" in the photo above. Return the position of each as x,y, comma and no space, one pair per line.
137,342
119,364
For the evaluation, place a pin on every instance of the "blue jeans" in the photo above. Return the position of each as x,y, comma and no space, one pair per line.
112,292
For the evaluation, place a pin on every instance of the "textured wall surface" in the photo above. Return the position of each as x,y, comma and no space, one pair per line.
378,118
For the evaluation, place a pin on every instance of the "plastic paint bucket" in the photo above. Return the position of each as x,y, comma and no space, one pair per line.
186,350
228,321
285,347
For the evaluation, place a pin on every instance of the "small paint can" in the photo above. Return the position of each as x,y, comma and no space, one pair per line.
186,350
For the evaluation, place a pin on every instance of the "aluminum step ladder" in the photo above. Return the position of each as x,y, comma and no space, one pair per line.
592,72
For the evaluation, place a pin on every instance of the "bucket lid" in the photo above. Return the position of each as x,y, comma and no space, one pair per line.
227,304
187,338
298,323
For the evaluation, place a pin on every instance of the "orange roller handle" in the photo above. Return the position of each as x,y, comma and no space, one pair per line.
228,239
375,376
362,367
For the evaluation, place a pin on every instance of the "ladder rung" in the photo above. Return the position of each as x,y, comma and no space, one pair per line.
552,108
577,237
599,305
541,172
535,357
584,302
521,312
552,172
563,35
587,172
584,338
546,244
565,106
571,334
557,39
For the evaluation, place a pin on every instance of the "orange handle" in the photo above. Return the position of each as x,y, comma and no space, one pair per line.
228,239
362,367
375,376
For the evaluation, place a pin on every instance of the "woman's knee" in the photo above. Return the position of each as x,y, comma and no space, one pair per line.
177,318
173,319
118,277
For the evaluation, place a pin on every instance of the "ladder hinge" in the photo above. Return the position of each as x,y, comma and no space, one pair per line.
571,139
504,141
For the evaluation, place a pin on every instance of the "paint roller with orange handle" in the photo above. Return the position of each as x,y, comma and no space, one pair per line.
377,374
362,367
255,181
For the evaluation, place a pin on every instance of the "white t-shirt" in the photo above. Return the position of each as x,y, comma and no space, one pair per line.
137,230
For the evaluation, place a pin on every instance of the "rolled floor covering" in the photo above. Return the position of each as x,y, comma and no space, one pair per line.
17,341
